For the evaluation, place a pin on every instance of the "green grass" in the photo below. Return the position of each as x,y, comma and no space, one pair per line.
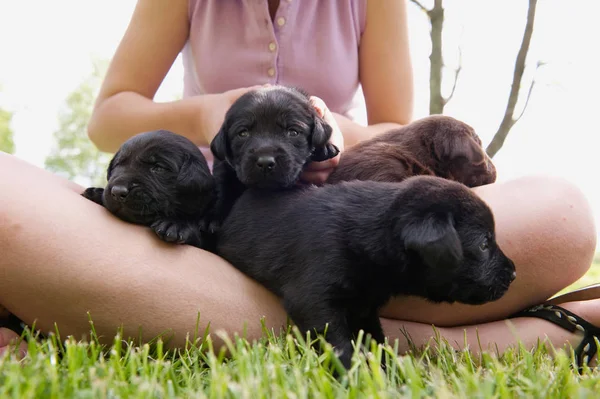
591,277
284,366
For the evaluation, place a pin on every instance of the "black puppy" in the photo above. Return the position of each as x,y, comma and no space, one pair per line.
267,137
160,179
336,254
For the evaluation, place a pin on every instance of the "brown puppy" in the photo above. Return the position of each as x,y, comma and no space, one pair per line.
436,145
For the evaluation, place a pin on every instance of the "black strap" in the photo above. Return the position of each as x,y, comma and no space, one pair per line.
588,348
13,323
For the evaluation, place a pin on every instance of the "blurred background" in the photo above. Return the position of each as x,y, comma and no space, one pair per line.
53,55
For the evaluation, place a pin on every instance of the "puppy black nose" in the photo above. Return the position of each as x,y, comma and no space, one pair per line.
265,162
119,193
513,276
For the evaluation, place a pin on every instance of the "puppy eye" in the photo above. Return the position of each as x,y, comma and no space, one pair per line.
157,169
292,133
244,133
485,245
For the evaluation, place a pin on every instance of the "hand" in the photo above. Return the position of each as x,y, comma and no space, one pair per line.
231,96
215,106
318,172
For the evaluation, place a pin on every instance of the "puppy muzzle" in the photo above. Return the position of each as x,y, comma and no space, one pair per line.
494,291
271,169
130,201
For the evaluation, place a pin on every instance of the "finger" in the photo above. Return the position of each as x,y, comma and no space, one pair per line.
244,90
328,117
316,177
319,105
322,109
324,165
255,87
234,94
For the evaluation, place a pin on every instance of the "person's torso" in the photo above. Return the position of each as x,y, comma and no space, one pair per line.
311,44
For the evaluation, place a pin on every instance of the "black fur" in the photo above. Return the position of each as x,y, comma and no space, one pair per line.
336,254
160,179
266,139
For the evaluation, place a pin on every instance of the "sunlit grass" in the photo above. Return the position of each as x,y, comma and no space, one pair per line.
284,366
591,277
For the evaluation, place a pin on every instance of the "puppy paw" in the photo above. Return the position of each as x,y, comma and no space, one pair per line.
324,153
94,194
174,232
209,226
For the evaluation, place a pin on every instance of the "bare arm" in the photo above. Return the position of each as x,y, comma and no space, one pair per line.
385,72
156,34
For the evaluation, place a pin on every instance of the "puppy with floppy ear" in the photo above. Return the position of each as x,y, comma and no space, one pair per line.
161,180
219,146
435,240
322,150
436,145
356,244
266,139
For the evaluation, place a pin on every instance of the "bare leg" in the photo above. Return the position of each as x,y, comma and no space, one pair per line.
496,335
63,256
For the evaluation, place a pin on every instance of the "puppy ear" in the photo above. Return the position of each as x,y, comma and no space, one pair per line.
320,135
194,174
459,145
465,159
321,132
219,145
435,240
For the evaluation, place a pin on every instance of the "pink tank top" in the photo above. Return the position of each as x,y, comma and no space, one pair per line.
312,44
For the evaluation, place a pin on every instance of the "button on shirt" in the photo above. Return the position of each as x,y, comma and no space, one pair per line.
312,44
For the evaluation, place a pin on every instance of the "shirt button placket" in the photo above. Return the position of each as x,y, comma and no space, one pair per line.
272,71
273,48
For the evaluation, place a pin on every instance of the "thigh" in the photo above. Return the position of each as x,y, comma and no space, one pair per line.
546,226
64,256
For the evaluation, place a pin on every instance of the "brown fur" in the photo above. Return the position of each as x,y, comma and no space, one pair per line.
436,145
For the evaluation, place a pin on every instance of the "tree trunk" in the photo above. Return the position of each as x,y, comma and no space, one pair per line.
436,100
508,121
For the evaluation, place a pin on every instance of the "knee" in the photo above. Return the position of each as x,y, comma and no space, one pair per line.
578,221
562,237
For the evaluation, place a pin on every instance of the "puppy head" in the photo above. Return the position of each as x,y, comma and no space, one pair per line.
269,134
158,174
458,151
448,233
